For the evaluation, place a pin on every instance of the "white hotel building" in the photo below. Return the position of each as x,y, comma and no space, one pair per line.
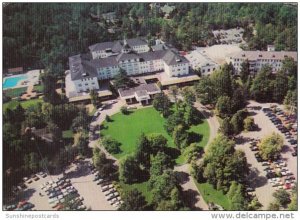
257,59
106,59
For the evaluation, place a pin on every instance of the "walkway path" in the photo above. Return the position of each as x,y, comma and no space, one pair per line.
191,195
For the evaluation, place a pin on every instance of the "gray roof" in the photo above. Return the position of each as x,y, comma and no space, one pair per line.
258,55
116,46
140,90
126,56
101,46
141,93
105,62
78,66
171,58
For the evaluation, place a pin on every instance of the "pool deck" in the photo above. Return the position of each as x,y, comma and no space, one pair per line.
32,79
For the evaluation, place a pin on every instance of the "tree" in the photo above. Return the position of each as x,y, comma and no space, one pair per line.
280,87
289,66
121,80
133,201
107,118
290,101
188,95
50,94
249,124
177,118
83,145
129,170
192,152
274,206
282,197
162,104
124,110
81,122
143,151
179,136
160,163
190,115
94,97
238,100
245,71
101,163
254,205
174,92
293,206
111,145
270,146
222,81
261,89
222,164
205,91
223,106
55,131
157,143
236,197
162,186
226,127
237,121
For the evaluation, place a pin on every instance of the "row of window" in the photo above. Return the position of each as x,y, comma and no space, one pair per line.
86,84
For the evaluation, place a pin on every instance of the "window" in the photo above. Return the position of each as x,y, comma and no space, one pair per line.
79,84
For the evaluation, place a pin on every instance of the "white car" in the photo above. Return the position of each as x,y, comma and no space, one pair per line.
109,191
111,196
114,200
107,187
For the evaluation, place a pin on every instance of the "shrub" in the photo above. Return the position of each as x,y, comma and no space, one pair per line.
111,145
124,110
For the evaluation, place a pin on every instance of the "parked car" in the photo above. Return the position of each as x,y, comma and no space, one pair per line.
250,189
294,154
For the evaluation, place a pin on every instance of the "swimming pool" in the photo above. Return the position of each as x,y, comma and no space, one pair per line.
11,82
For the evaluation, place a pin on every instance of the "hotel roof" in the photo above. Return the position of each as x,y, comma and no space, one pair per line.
259,55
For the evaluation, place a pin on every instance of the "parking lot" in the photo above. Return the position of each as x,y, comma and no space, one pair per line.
257,177
78,180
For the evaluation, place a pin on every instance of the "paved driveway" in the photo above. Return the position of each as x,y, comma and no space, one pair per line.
257,178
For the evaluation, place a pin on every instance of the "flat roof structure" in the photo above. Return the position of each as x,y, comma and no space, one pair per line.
141,92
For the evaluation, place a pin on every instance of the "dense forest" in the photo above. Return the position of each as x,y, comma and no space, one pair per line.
44,35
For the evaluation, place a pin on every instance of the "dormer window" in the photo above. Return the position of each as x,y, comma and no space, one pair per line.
260,55
178,60
243,55
273,55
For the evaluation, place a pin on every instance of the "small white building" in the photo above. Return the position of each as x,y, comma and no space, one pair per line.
143,93
198,59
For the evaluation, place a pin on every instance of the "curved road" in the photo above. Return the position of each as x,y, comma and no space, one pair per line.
191,194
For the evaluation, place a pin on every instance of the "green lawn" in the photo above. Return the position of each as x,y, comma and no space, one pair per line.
201,129
39,88
142,187
212,195
15,92
25,104
127,128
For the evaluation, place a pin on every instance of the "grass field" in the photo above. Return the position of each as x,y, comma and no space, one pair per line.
25,104
142,187
15,92
212,195
126,129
